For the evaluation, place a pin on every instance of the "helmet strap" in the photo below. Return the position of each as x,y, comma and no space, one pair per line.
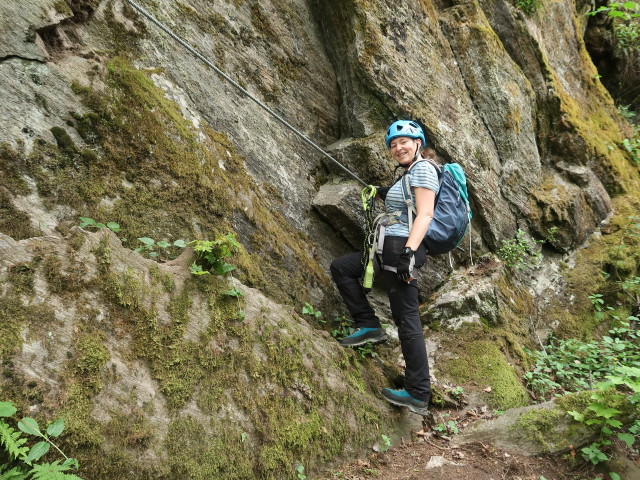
415,156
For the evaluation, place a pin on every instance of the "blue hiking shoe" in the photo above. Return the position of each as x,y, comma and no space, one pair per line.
362,336
403,399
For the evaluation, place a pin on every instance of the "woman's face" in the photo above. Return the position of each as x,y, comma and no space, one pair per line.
403,149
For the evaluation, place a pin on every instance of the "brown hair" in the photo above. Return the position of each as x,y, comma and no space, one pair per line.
430,154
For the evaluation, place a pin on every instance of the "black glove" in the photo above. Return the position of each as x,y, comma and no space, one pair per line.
406,261
382,191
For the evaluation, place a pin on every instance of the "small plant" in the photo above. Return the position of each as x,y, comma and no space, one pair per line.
519,253
160,249
300,471
447,428
633,147
343,327
366,350
385,444
457,393
626,28
308,309
213,254
86,222
237,294
233,292
571,365
21,460
528,6
605,418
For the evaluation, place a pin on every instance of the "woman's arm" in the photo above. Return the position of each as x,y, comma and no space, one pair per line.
425,200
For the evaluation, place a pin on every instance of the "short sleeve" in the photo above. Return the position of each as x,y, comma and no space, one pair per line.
424,175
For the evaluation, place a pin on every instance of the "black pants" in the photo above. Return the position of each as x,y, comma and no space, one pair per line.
403,299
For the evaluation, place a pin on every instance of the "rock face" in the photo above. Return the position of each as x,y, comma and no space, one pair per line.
535,430
106,117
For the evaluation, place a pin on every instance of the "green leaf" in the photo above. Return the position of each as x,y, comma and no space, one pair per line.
30,426
113,226
7,409
614,423
233,292
86,221
614,476
163,244
630,5
180,244
13,441
101,225
196,269
147,241
617,14
37,451
223,268
603,411
51,471
576,416
71,462
627,438
56,428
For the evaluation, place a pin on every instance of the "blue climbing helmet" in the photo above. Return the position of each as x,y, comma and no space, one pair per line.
405,128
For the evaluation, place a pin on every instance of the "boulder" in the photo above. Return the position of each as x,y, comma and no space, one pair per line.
340,205
539,429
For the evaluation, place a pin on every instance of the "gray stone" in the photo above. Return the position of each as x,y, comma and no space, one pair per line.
515,431
340,205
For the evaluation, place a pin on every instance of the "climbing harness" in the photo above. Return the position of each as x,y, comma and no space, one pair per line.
375,227
193,51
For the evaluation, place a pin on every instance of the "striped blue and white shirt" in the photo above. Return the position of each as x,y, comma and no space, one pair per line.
424,175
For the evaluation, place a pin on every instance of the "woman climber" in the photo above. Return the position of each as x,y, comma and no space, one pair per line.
402,254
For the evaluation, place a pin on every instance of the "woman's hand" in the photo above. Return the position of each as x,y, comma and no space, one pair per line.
406,262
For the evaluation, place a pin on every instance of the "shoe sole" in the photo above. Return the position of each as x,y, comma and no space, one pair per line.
417,410
368,340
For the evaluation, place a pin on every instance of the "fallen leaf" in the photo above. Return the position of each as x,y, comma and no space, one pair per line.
488,389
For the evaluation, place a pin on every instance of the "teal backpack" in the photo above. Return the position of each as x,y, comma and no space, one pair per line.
452,212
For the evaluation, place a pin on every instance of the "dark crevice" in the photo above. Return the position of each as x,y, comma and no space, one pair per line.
619,68
18,57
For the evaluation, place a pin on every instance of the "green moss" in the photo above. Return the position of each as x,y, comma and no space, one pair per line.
199,454
541,427
11,162
21,276
604,254
162,278
483,361
62,7
90,358
13,222
15,317
52,271
64,141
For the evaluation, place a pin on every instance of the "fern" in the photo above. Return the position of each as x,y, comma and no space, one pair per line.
12,441
53,471
14,473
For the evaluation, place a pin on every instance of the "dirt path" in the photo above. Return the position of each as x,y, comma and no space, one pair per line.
435,460
430,456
